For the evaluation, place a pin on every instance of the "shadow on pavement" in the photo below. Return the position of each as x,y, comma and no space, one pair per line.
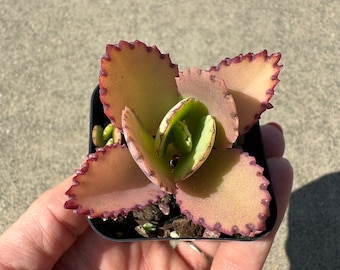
314,225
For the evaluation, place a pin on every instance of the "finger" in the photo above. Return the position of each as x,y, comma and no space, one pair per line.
42,233
93,252
273,140
251,255
197,254
282,181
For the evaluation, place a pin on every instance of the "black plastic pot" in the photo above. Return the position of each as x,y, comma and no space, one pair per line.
125,231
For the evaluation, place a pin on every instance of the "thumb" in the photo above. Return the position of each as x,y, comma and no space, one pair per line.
42,234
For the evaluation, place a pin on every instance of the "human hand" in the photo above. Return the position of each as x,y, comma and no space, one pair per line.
47,236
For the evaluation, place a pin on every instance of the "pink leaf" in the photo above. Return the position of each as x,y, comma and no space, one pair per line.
228,193
213,93
251,80
140,77
110,183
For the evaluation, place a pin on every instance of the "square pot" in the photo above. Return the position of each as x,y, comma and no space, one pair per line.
126,228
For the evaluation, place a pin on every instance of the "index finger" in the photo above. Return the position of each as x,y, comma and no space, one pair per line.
273,140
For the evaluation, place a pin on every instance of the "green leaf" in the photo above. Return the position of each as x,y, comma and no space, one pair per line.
97,136
108,132
203,144
181,137
185,137
141,146
174,115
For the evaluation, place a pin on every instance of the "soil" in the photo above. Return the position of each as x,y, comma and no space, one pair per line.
160,220
167,221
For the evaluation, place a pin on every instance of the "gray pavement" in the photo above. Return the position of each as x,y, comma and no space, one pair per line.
50,56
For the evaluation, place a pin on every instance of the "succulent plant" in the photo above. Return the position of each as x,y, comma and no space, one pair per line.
174,134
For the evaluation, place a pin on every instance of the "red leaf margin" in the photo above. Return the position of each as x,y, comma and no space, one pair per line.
95,190
247,91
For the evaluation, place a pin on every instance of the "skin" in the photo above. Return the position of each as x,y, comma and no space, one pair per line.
47,236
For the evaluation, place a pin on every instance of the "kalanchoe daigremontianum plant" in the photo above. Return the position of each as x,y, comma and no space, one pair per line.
176,136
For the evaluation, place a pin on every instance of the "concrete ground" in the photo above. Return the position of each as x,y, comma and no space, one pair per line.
50,57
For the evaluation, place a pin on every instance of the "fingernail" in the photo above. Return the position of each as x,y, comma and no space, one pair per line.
277,126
